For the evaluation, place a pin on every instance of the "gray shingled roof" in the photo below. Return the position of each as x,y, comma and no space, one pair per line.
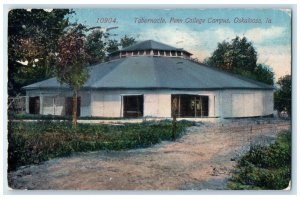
151,45
144,72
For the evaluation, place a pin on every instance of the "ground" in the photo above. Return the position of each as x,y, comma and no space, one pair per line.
202,159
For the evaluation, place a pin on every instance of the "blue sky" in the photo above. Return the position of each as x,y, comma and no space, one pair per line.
271,40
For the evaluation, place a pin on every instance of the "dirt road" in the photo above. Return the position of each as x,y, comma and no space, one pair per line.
202,159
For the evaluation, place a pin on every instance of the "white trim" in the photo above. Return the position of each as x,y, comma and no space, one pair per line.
130,94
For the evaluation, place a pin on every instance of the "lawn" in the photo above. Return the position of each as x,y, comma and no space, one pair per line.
34,142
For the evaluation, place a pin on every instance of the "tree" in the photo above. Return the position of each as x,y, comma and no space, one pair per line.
127,41
112,46
222,57
99,44
243,55
32,43
240,57
95,46
72,59
283,95
264,73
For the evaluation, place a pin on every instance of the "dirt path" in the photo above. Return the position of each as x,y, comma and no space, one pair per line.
202,159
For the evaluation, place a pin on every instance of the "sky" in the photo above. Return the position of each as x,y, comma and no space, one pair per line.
271,37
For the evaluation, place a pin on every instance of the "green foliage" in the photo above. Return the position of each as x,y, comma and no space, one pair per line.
283,95
127,41
261,73
264,73
95,47
100,44
265,167
240,57
32,39
112,46
239,53
35,37
34,142
72,58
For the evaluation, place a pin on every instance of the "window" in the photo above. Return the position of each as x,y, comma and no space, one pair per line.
161,52
190,105
173,53
135,52
155,52
133,106
179,53
167,53
141,52
148,52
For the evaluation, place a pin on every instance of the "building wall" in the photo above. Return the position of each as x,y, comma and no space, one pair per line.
85,103
246,103
52,102
157,103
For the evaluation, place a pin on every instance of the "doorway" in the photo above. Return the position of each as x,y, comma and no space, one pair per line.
190,105
133,106
34,105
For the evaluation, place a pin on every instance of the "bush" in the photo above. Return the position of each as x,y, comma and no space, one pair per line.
34,142
267,167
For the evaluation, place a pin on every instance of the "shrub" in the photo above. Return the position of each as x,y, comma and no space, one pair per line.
34,142
267,167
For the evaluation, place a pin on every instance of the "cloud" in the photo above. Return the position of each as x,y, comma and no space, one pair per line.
203,43
279,58
260,35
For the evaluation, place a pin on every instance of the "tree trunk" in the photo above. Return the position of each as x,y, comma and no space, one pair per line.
174,126
74,118
173,112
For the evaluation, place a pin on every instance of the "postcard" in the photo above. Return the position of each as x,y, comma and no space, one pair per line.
149,99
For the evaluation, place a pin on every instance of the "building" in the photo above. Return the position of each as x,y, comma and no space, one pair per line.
147,79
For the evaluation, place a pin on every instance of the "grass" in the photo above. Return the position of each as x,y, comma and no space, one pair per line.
264,168
34,142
